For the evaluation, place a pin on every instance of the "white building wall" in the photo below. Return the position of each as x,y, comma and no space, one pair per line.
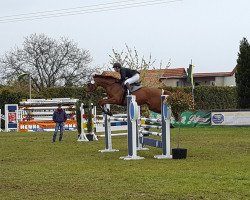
230,81
171,82
219,81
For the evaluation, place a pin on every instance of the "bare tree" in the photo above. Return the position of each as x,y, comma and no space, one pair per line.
131,59
49,62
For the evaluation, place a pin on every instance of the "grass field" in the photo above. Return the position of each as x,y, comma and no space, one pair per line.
217,167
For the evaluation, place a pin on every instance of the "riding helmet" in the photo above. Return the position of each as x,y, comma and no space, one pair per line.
117,65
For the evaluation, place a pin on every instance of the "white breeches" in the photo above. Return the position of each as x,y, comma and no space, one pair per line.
133,79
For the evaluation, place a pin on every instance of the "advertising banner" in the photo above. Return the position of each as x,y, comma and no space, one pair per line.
11,117
190,119
193,119
228,118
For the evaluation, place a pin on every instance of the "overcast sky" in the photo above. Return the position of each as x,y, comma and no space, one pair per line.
206,31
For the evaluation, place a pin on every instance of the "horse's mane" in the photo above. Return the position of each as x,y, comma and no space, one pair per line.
106,77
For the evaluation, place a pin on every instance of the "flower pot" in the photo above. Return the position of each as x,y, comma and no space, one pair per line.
90,137
179,153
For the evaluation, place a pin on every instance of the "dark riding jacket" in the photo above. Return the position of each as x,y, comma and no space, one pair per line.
127,73
59,116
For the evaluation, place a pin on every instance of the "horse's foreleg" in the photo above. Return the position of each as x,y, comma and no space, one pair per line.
103,102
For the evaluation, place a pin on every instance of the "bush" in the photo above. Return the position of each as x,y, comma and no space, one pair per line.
180,102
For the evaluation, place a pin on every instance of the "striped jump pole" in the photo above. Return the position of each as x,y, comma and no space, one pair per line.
165,119
108,139
132,115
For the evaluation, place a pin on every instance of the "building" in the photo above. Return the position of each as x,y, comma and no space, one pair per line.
177,77
215,78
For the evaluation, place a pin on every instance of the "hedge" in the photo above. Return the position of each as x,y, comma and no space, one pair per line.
211,97
206,97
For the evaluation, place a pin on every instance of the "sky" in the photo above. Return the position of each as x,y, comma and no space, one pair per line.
208,32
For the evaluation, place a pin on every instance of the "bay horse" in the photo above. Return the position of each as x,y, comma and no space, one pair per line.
116,93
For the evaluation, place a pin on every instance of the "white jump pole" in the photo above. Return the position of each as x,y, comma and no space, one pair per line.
82,137
108,139
93,113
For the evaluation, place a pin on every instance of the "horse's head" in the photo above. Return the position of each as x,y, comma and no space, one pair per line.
91,85
102,81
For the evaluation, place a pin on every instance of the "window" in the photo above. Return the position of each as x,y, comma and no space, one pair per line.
212,83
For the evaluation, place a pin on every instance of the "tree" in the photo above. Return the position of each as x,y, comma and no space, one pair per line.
49,62
131,59
243,74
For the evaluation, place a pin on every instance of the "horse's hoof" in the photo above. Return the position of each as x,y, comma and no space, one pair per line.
109,113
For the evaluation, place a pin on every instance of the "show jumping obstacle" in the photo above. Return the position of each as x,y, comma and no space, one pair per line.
82,137
36,115
117,123
141,141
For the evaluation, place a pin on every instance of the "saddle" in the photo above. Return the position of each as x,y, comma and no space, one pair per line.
135,86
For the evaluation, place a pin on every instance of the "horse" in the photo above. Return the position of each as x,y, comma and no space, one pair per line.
116,93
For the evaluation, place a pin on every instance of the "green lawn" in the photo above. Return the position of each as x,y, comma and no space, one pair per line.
217,167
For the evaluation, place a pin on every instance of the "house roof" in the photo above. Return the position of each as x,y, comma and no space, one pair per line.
174,73
178,73
213,74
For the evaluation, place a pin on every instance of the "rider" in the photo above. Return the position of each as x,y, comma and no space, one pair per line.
128,76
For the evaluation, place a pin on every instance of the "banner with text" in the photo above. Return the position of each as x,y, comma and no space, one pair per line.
193,119
237,118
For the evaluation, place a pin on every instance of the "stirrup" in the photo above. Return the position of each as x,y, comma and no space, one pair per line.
128,92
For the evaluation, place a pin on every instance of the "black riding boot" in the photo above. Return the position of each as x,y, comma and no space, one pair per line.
128,88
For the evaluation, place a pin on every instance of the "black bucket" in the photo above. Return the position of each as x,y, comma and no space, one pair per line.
90,137
179,153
